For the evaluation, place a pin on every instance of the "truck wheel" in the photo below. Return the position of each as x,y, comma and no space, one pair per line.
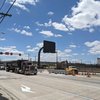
35,73
13,70
7,70
25,73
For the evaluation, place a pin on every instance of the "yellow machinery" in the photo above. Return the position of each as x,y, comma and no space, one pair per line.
71,70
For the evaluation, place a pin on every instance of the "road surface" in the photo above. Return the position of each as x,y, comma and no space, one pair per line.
46,86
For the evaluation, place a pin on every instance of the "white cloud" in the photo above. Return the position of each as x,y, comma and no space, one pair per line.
63,55
59,26
45,24
39,24
72,46
50,13
50,34
2,39
39,44
28,46
47,33
48,24
94,47
58,35
35,49
84,15
91,30
22,3
24,32
55,25
10,49
26,27
37,29
91,44
68,50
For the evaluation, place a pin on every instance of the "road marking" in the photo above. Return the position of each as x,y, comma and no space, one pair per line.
26,89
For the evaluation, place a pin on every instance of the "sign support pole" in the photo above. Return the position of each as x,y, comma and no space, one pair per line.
39,57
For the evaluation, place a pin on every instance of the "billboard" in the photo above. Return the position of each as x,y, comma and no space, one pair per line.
49,47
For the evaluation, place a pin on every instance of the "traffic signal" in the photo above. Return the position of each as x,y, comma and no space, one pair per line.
7,53
1,53
19,54
11,53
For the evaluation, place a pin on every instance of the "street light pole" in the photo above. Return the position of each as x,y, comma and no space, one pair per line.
56,59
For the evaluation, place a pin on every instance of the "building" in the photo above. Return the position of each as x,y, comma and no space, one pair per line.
98,61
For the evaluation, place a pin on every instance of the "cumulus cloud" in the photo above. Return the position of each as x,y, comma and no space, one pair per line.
26,27
94,47
22,3
10,49
63,55
50,13
2,39
47,33
39,44
68,50
91,30
58,35
72,46
28,46
55,25
50,34
48,24
34,49
84,15
24,32
39,24
59,26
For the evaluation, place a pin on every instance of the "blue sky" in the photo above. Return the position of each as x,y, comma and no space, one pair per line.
73,24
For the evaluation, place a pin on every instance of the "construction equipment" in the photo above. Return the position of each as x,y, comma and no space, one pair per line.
71,70
21,66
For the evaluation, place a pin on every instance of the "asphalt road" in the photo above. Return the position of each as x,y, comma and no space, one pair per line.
46,86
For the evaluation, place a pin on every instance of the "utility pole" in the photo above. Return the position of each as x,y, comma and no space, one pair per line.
3,15
56,59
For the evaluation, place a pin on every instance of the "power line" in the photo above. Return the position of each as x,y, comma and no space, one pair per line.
2,4
1,8
6,14
11,6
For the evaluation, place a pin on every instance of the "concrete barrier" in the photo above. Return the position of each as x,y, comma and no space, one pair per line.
52,71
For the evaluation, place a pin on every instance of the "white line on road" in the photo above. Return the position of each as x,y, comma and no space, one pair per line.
26,89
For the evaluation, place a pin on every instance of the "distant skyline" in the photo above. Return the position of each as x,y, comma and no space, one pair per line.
74,25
